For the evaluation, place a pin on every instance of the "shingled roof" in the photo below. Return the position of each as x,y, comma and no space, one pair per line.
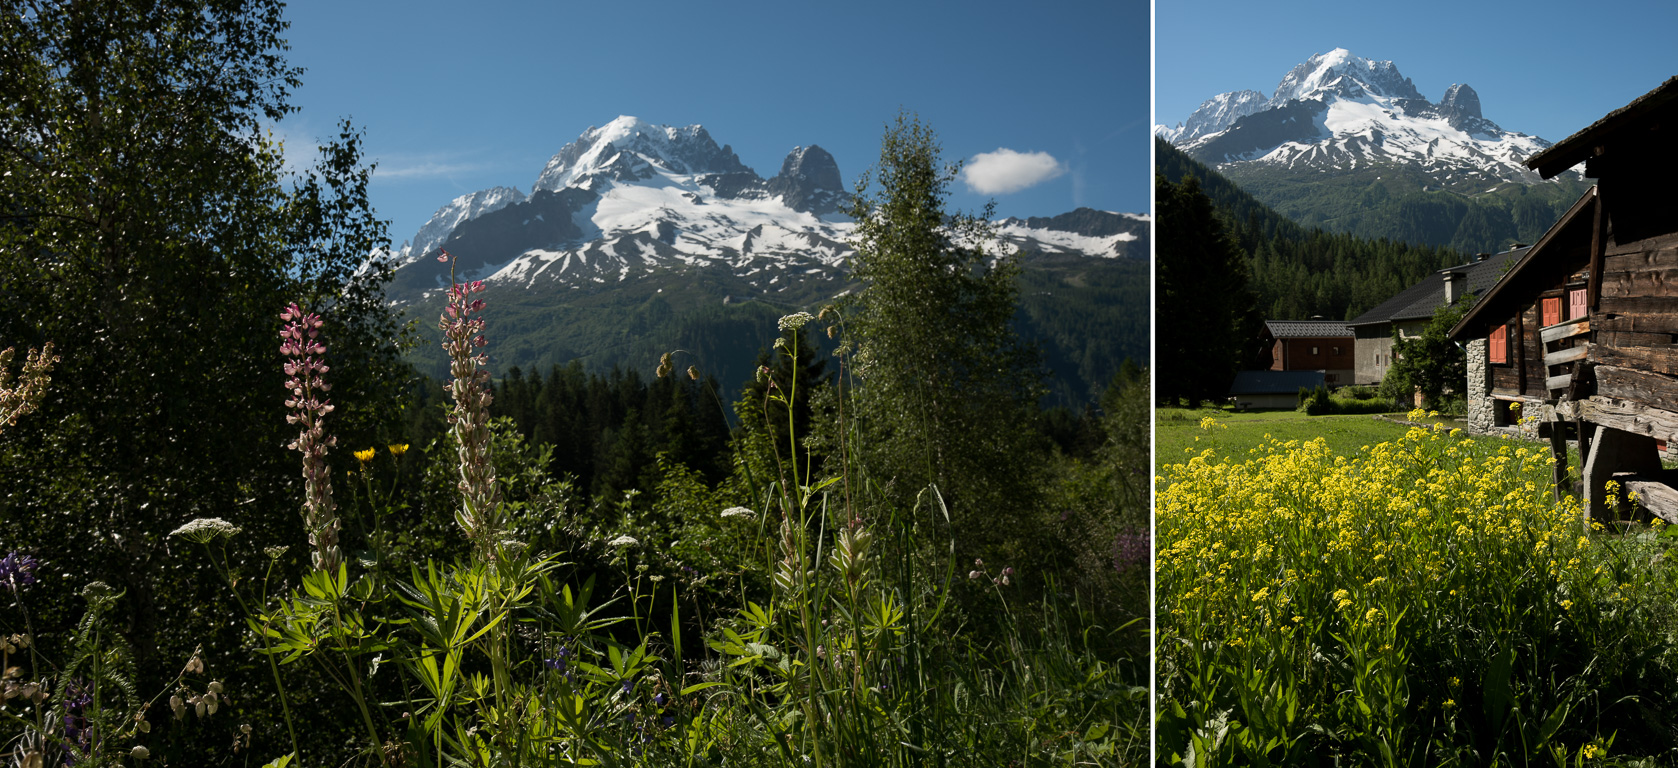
1307,329
1419,301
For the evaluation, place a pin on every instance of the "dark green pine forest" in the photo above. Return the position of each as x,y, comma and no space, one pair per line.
1298,272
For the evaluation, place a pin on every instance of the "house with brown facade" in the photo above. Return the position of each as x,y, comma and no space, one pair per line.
1308,345
1582,329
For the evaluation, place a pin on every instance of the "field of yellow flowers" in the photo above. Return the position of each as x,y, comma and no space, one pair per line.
1424,601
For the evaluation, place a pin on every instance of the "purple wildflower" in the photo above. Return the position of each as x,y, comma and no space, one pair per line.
1130,550
300,340
77,730
479,515
17,570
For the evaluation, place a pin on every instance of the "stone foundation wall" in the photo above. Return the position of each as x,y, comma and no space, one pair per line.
1479,386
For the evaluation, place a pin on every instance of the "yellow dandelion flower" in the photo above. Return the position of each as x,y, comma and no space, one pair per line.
365,456
397,449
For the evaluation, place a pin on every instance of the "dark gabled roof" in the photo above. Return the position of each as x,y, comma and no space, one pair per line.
1569,237
1419,301
1575,149
1307,329
1275,382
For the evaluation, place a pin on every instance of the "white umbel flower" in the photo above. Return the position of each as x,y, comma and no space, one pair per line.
795,321
205,530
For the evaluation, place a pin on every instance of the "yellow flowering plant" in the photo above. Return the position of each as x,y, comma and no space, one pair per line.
1313,604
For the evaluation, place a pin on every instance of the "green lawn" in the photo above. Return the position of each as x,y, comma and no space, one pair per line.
1177,432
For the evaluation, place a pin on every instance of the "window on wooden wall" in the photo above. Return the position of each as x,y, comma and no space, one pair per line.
1576,304
1552,311
1500,344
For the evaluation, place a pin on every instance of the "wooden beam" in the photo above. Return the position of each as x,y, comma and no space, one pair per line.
1558,450
1653,493
1662,359
1561,356
1653,244
1651,390
1630,417
1565,329
1599,246
1520,352
1555,383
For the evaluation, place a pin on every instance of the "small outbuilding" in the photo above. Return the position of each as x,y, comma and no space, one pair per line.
1582,329
1272,389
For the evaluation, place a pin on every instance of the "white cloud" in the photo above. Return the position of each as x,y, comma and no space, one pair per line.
1005,171
423,169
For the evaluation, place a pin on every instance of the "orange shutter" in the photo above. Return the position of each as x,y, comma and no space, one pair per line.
1552,311
1500,344
1576,304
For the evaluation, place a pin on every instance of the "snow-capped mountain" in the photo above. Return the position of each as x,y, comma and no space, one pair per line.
1214,114
637,239
1339,112
631,198
458,211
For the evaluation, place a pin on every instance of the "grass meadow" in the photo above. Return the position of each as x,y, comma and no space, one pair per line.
1353,591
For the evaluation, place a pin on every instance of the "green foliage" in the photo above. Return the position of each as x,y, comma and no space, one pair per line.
1431,363
1096,513
151,232
1347,400
1202,276
1315,401
944,382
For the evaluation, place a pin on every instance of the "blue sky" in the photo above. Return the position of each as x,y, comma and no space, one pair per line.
456,98
1542,68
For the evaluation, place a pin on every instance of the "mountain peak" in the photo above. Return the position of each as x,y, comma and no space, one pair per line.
631,149
459,210
1339,112
809,181
1341,73
1460,100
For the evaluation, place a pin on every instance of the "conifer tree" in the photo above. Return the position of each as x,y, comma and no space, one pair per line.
1207,319
946,388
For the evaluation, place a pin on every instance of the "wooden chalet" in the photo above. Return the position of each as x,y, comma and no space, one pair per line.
1582,330
1309,345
